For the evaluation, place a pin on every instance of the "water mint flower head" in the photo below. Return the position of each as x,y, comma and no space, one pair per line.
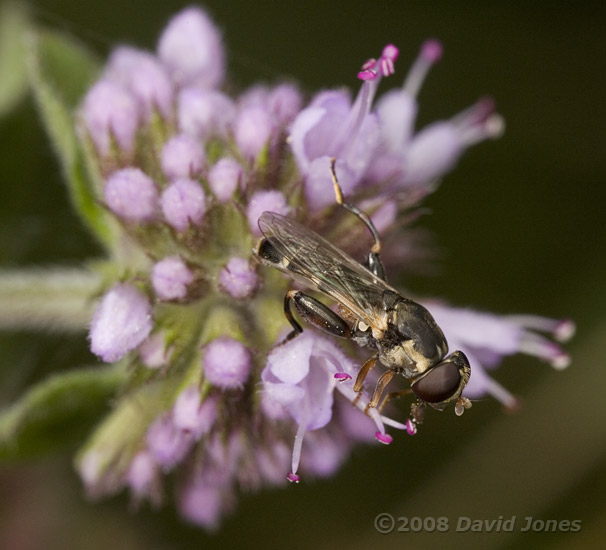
177,171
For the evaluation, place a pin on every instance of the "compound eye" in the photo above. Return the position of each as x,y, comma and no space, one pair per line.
439,384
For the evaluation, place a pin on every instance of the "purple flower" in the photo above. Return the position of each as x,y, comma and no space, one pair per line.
192,50
153,351
397,109
406,159
252,130
284,103
192,415
144,77
204,503
227,363
334,127
224,178
230,411
300,377
486,338
131,195
265,201
171,277
182,157
183,203
167,443
437,148
204,113
142,474
122,321
110,112
238,278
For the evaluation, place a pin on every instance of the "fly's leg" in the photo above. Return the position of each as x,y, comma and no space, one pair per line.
383,380
373,261
363,373
393,395
315,313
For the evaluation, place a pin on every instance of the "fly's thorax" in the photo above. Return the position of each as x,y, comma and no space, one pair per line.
398,359
270,255
413,341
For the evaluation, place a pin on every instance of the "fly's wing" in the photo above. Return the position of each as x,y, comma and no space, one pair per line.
313,261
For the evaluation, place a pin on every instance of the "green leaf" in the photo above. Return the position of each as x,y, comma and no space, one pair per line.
13,82
59,72
57,412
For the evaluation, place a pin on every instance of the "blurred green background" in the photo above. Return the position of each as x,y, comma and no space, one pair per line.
520,224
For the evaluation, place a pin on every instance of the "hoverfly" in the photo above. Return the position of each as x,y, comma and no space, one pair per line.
405,337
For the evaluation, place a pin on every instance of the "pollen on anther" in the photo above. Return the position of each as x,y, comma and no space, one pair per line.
383,438
387,67
293,478
369,64
411,427
367,74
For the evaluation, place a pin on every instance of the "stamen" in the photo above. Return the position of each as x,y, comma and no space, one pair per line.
365,97
393,423
293,478
360,401
561,362
534,344
431,52
388,57
478,113
296,452
367,75
501,394
565,330
411,427
562,329
387,67
479,122
369,64
383,438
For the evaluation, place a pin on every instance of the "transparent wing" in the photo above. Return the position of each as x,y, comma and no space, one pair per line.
316,263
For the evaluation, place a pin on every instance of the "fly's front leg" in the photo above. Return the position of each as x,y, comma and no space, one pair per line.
373,261
315,313
383,380
393,395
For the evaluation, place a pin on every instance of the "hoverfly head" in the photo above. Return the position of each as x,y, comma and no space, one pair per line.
444,383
